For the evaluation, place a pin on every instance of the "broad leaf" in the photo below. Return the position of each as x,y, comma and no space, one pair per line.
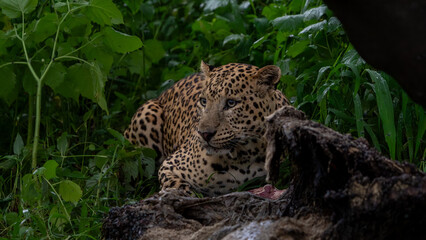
50,167
62,145
87,81
212,5
44,27
316,27
70,191
154,50
121,42
55,76
14,8
131,170
297,48
233,38
18,145
289,23
30,192
314,13
104,12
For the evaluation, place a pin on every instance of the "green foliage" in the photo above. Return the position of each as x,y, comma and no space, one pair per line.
74,72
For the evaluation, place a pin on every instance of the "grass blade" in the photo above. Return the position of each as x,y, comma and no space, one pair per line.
384,103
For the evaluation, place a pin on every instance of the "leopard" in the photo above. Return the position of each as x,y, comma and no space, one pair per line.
207,129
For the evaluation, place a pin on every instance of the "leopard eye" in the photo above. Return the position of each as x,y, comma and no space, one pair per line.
203,102
231,103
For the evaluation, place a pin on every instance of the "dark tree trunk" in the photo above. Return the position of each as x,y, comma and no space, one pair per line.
391,36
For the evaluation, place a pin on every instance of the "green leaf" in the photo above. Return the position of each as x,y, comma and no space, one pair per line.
44,27
85,80
316,27
314,13
104,12
297,48
385,105
18,145
50,167
117,135
259,41
62,144
55,76
121,42
70,191
30,193
14,8
100,55
134,5
101,158
233,38
212,5
149,164
7,83
288,23
352,57
154,50
29,83
135,62
131,170
358,116
421,127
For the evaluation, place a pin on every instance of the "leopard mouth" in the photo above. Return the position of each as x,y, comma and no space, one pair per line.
213,150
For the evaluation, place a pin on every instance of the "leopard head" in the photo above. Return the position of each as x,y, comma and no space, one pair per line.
233,104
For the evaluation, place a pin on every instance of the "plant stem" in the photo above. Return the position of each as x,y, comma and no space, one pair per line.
38,100
37,125
30,118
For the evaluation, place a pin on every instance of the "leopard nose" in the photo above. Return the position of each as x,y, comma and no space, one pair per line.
207,135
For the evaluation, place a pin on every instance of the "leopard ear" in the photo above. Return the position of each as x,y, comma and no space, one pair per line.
268,76
205,68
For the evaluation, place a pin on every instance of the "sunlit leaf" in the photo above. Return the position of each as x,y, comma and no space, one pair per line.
50,167
70,191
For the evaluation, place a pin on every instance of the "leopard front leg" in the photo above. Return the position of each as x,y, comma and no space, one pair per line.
146,128
172,174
